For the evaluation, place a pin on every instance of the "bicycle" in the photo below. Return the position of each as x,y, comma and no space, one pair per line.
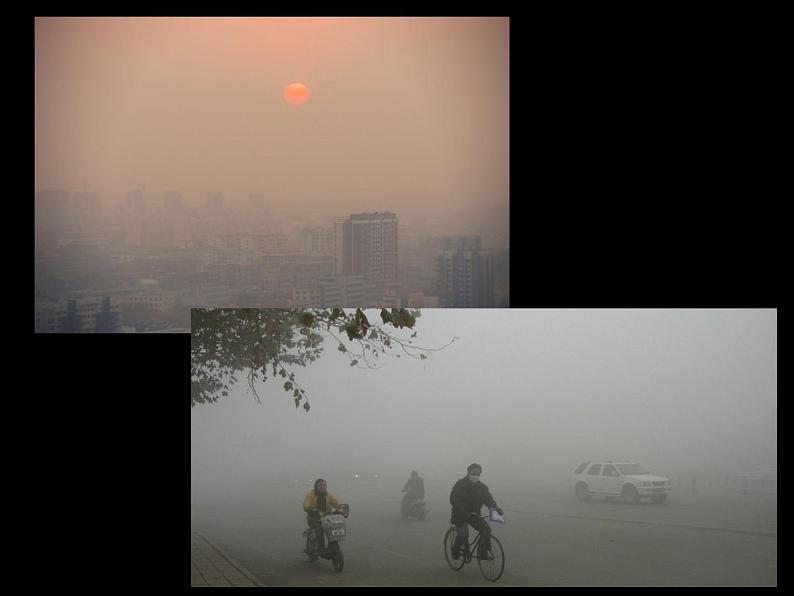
491,569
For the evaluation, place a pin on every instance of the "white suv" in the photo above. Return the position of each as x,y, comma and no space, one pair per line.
619,478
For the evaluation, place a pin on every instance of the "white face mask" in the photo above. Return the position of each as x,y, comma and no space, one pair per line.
474,478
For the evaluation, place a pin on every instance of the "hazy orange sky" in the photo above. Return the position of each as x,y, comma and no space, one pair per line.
404,113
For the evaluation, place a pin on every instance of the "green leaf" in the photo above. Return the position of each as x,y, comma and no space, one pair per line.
296,393
422,356
342,348
384,314
306,319
283,373
297,402
306,406
353,363
288,386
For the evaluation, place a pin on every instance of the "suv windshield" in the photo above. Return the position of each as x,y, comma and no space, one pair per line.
630,469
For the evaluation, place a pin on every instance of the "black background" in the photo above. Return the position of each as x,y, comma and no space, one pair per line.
639,178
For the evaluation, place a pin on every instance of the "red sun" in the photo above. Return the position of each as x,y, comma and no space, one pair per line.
296,93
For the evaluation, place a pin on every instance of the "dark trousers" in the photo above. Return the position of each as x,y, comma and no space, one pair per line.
462,523
317,526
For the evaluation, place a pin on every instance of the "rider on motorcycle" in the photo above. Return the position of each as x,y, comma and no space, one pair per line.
414,491
467,498
318,503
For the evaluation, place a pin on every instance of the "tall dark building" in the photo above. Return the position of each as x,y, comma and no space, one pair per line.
465,274
366,244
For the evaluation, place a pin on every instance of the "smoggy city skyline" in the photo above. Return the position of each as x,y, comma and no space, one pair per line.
404,114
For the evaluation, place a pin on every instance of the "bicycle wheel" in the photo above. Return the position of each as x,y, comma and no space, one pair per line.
449,540
492,569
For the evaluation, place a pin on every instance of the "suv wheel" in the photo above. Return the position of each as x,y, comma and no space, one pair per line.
582,492
630,494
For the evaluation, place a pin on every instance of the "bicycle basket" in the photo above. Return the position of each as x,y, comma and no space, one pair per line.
335,527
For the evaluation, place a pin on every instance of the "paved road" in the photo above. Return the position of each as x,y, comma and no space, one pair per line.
550,539
212,568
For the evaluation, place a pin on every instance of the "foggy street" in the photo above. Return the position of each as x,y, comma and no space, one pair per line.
531,396
549,540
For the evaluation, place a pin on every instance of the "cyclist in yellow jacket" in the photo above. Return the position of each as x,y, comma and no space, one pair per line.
319,502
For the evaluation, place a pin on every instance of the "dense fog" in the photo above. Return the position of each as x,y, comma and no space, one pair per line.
528,394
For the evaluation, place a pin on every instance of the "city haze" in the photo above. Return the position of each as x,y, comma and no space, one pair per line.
171,172
406,114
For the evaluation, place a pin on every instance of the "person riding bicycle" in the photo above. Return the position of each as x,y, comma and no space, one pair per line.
318,503
467,498
414,490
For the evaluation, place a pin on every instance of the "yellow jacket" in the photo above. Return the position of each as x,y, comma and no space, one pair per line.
310,502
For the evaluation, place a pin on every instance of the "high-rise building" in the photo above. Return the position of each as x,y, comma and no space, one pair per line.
79,315
318,241
366,244
343,291
422,300
464,274
341,246
306,297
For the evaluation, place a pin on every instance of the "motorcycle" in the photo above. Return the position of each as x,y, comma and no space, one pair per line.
334,527
416,509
